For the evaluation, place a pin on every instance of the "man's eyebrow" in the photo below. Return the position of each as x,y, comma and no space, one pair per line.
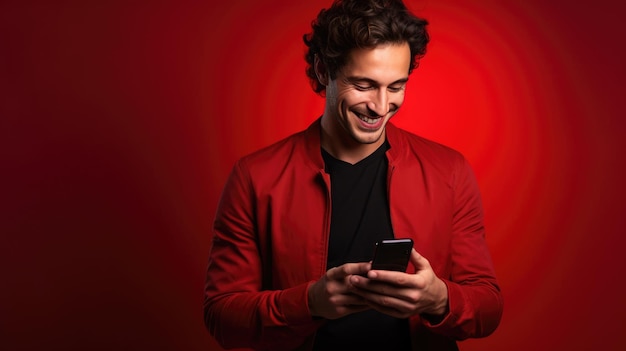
373,82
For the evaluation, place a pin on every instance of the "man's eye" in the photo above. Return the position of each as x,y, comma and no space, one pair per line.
395,89
362,87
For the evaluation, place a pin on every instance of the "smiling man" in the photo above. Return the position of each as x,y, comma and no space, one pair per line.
362,98
297,223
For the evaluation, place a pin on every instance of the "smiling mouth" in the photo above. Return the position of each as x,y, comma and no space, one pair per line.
366,119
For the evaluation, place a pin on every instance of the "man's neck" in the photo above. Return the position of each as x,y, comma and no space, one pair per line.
347,150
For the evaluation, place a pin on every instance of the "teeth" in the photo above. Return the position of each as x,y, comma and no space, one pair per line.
368,120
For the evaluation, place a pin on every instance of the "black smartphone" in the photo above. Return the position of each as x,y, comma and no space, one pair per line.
392,254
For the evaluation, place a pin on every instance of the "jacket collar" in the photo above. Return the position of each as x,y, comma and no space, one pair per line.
313,144
312,136
396,141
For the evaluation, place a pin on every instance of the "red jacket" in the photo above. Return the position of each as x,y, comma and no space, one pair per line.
271,236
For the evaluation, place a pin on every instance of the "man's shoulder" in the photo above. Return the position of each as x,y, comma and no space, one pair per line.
290,158
413,145
278,148
300,149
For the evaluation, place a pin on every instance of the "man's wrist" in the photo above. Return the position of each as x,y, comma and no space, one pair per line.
311,300
441,307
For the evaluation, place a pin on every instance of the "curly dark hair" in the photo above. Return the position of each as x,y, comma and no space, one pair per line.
351,24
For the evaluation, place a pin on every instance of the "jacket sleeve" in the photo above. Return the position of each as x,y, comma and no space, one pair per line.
474,298
237,312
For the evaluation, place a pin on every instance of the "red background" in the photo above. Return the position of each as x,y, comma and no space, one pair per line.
119,122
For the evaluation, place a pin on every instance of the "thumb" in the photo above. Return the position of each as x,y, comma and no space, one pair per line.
418,261
346,269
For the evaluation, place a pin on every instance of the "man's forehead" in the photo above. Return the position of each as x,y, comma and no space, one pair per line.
389,62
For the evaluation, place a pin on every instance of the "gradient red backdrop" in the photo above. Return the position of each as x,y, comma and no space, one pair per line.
119,122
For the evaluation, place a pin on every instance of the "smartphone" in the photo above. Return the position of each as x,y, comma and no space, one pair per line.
392,254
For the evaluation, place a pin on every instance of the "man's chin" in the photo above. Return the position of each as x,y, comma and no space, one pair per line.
369,137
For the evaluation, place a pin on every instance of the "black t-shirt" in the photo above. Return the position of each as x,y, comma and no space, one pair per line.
360,217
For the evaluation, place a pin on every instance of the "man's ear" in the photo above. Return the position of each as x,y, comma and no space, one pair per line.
320,71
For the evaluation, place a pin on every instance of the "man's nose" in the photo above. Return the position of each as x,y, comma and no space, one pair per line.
379,104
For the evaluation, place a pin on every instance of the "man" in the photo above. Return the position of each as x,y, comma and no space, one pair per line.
297,222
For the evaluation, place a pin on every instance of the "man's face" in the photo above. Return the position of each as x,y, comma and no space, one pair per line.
365,94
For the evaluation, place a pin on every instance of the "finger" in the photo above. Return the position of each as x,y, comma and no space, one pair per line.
348,300
366,287
419,262
387,304
400,279
340,272
397,312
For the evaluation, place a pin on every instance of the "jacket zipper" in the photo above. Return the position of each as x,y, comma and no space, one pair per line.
326,230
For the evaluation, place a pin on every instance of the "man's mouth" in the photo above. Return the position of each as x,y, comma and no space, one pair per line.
366,119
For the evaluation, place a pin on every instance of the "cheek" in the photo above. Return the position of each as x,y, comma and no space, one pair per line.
349,98
397,98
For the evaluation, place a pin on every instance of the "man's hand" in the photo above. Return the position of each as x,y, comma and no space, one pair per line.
330,296
402,295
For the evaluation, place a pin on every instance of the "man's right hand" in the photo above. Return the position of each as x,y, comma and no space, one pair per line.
330,296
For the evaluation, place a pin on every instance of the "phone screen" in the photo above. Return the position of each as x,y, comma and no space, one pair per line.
392,254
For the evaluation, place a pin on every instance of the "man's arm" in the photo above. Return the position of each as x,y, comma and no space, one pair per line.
236,310
239,311
474,298
467,303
